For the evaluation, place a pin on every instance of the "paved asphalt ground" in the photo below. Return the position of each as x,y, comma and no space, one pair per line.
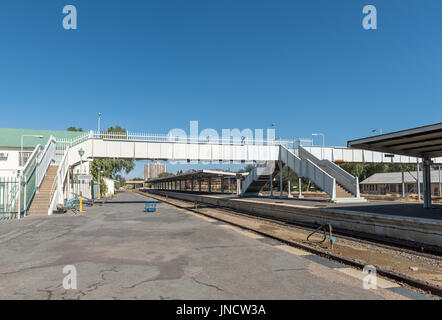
120,252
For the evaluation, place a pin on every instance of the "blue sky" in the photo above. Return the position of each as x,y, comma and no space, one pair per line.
151,66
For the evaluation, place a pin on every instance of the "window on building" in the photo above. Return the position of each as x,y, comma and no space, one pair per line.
23,157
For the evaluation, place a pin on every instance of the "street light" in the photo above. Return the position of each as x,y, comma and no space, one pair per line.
81,154
323,137
272,126
99,118
99,187
21,145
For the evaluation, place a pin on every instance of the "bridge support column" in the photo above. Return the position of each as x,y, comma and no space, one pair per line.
300,196
222,184
230,190
191,187
271,186
238,186
199,184
209,182
288,185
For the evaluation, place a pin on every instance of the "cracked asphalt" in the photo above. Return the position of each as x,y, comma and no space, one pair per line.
120,252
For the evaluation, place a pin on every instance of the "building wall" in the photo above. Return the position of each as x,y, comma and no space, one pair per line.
110,184
397,188
9,162
153,170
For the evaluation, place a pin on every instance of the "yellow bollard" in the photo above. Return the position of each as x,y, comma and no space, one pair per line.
81,203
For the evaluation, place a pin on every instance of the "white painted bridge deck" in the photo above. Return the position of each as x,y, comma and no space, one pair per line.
141,147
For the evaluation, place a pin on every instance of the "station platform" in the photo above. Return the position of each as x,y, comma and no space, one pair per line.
397,222
381,207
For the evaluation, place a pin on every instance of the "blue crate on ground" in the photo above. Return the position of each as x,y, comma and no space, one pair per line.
150,205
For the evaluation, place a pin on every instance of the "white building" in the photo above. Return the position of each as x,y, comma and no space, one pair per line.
391,182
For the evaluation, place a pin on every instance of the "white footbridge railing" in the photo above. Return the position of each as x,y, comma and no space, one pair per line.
305,168
342,177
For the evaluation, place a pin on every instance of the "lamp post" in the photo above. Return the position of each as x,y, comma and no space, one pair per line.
271,127
323,142
323,137
99,119
99,186
21,145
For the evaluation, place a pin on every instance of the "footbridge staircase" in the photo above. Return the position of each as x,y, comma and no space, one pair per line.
259,177
340,185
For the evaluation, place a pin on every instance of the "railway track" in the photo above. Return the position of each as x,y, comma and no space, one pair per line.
410,282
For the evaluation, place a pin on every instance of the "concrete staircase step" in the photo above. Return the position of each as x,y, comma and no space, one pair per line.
41,202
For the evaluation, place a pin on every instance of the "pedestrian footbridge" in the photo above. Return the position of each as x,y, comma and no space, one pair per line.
314,163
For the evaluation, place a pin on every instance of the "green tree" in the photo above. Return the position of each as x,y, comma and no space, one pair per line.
248,168
165,175
111,168
363,171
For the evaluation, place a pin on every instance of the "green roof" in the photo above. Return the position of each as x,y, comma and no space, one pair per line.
12,137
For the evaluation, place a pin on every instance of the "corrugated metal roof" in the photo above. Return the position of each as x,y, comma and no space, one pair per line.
417,142
12,137
396,177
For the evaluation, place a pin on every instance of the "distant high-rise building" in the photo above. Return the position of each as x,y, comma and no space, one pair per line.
153,170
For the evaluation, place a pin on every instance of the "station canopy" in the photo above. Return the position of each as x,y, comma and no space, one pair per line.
421,142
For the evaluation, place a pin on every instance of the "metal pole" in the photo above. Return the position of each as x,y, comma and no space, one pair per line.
403,182
440,185
19,196
24,199
418,182
271,186
99,118
280,180
300,196
427,182
21,153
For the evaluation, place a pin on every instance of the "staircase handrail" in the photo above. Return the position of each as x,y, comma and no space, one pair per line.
308,169
260,169
342,177
57,186
44,160
31,160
